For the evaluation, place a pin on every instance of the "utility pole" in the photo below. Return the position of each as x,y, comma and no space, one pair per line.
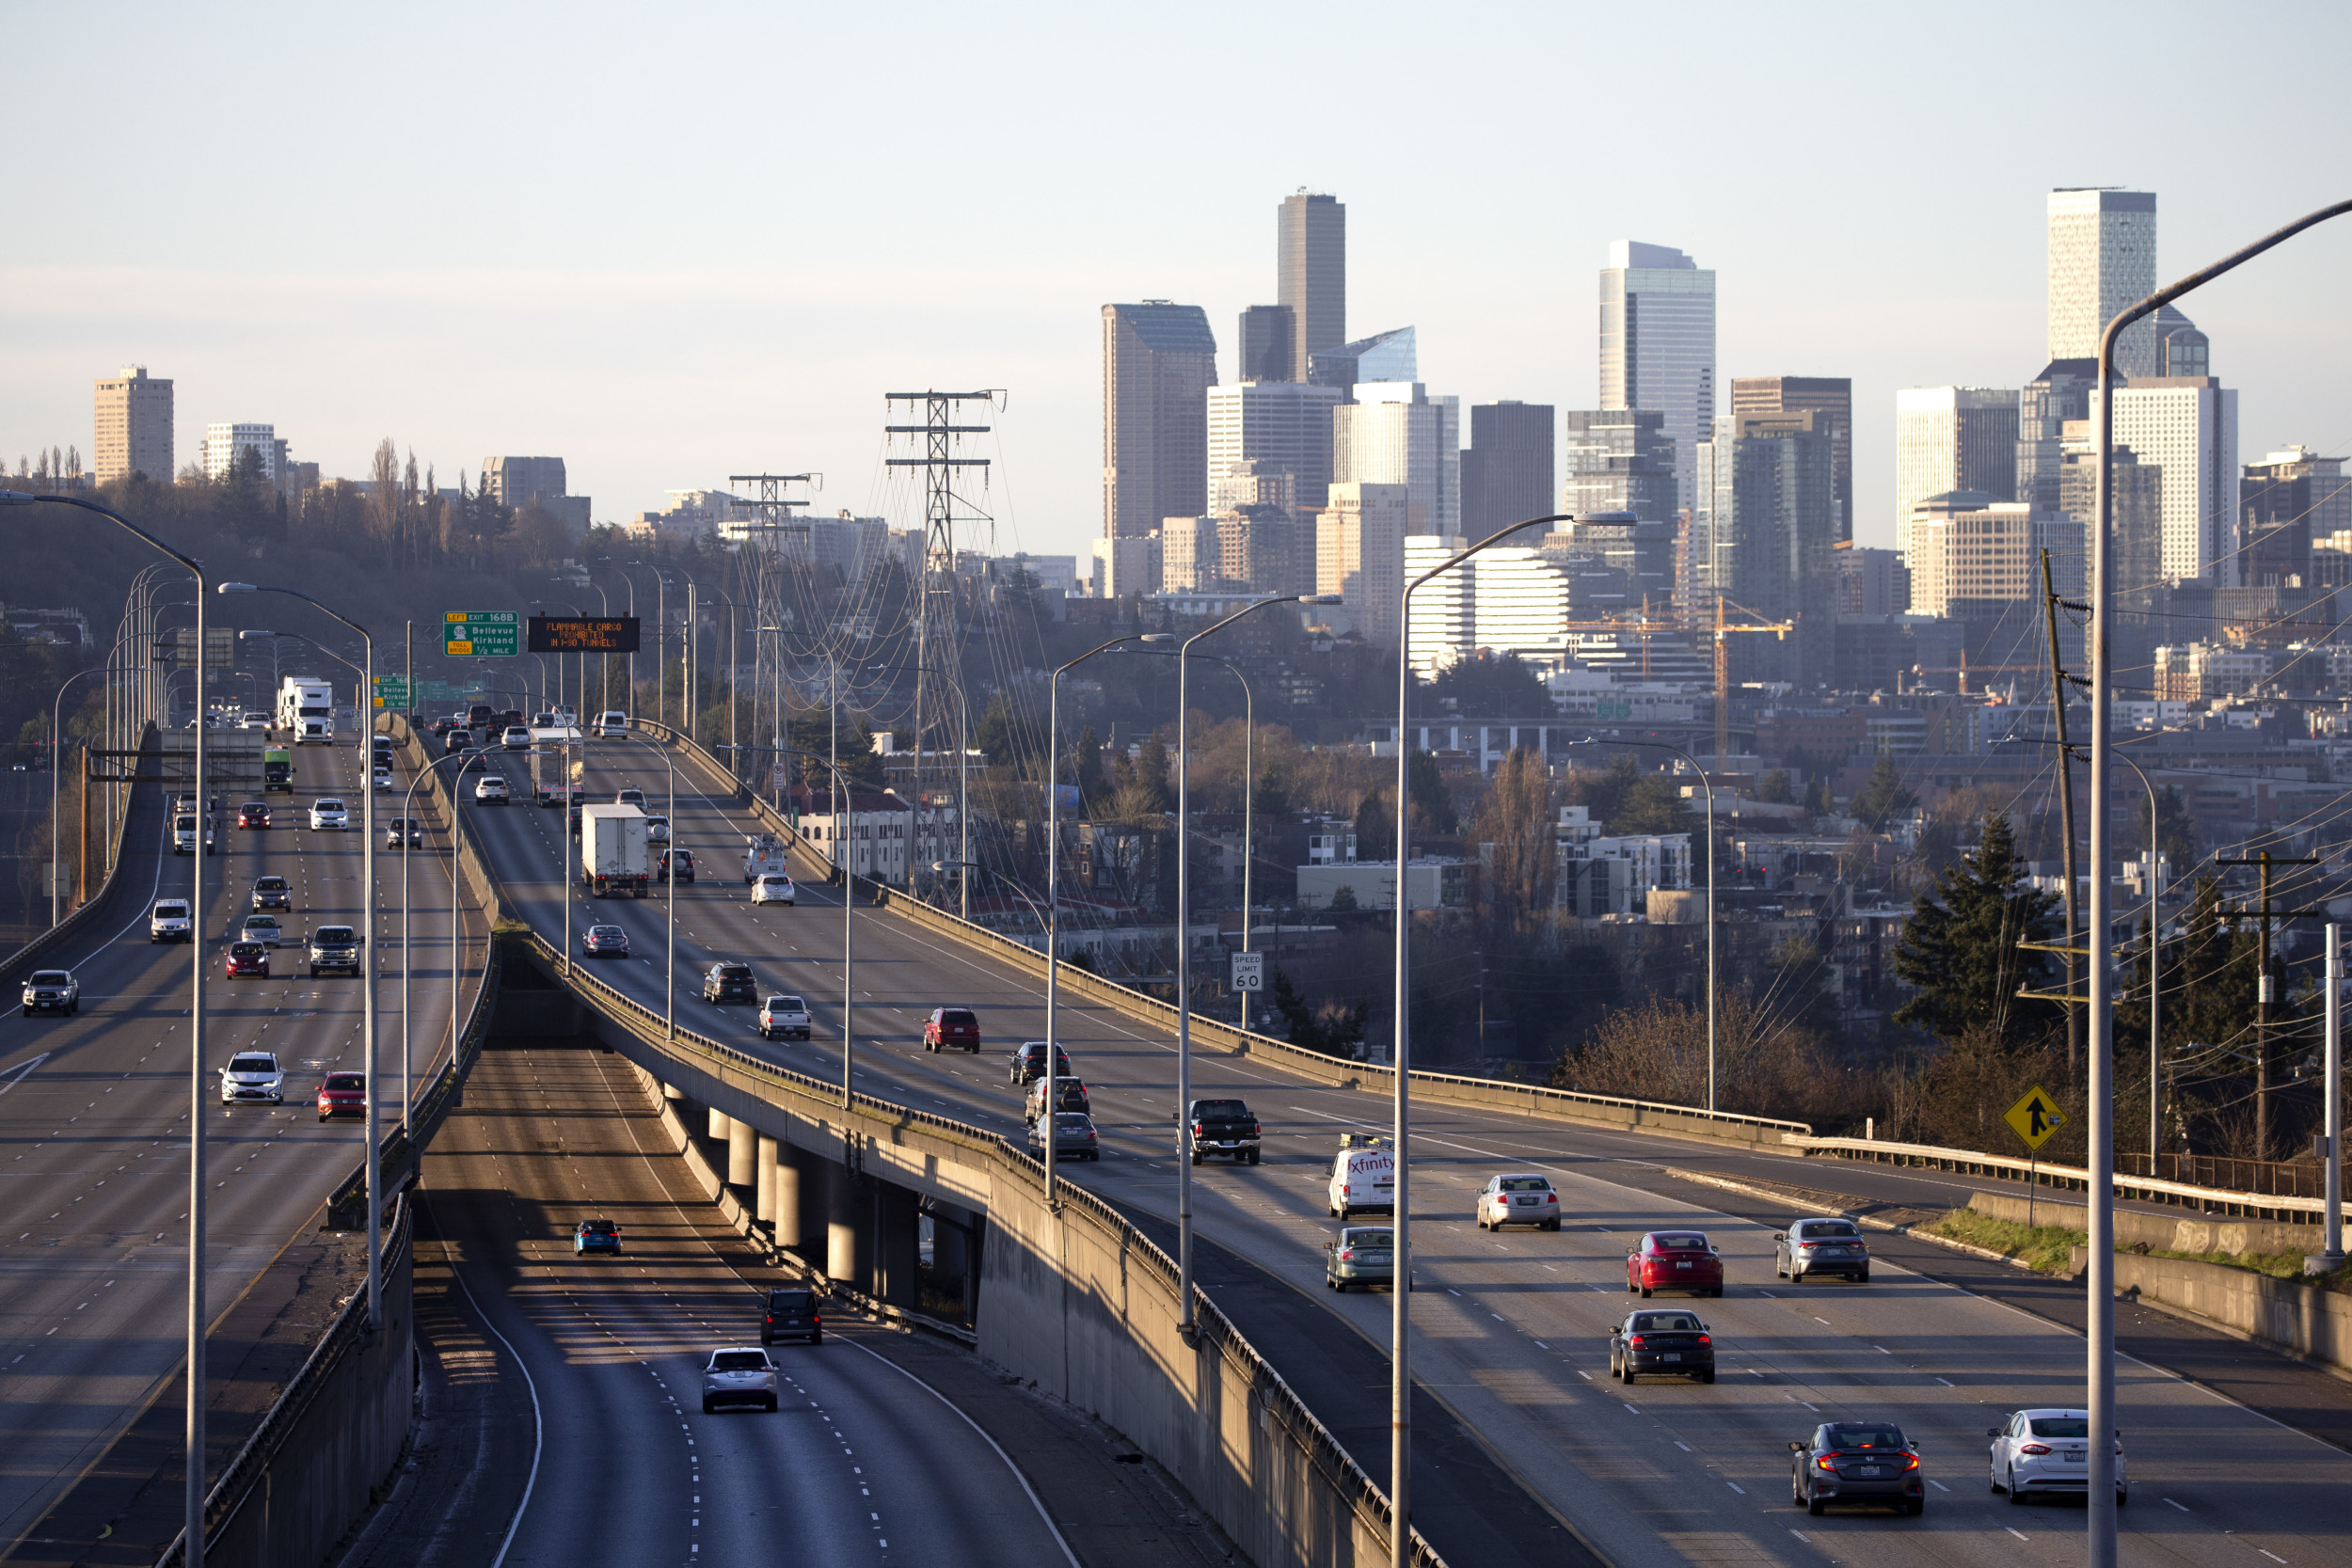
935,586
2058,678
2263,916
773,504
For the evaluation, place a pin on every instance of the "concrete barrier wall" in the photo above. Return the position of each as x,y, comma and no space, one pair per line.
96,910
2284,1313
2164,1231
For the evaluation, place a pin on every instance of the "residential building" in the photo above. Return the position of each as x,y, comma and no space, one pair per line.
694,514
2186,427
1602,875
1658,346
867,831
1260,540
1056,575
1310,270
1188,555
2102,260
1829,400
225,445
1969,546
1618,460
1767,538
1871,582
2196,671
1125,567
2060,396
1159,361
1507,468
1360,555
1434,882
1390,355
1951,439
1511,599
2292,499
134,427
520,481
1267,332
1286,424
1396,434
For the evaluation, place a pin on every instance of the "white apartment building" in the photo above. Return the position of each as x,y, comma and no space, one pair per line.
1510,599
1122,567
1951,439
2102,260
1188,555
1360,555
1396,434
2196,671
223,443
1600,874
2186,427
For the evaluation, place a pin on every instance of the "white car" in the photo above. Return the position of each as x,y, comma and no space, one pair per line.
330,815
567,717
515,737
171,922
263,928
254,721
656,829
611,726
252,1075
2048,1451
784,1015
383,781
1519,1198
490,790
741,1375
773,888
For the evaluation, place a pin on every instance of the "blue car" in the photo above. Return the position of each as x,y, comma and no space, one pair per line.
596,1236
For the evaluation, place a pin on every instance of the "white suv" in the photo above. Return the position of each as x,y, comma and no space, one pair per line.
171,922
330,815
252,1075
773,888
612,724
490,790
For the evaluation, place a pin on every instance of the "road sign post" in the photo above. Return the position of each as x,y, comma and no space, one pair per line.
482,634
1249,972
2036,1118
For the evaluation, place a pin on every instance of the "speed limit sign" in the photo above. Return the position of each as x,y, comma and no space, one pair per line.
1249,972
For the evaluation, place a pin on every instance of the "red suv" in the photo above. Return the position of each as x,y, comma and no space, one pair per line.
343,1094
1674,1261
952,1029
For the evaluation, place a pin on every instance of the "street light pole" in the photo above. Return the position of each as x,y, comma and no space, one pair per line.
407,940
1249,789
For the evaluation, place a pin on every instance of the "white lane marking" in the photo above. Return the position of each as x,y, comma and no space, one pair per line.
537,1427
2019,1534
2182,1507
16,1075
1737,1487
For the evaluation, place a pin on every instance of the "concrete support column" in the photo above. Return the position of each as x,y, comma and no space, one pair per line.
671,1092
742,1154
791,1197
721,1124
897,1215
765,1162
848,1228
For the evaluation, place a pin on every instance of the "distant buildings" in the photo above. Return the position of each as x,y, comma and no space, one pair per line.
1286,424
1766,539
225,445
2102,260
134,427
1952,438
1658,345
1122,568
1266,333
1619,460
1829,400
520,481
1871,583
2045,405
1396,434
1359,554
1310,263
1159,361
1390,355
2185,428
1512,599
2293,501
1507,468
1967,545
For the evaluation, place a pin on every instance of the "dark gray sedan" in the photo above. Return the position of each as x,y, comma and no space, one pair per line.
1662,1341
1857,1461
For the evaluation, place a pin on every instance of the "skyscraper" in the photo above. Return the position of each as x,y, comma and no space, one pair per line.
1619,460
1285,424
134,427
2181,349
1952,438
2186,427
1360,555
1767,538
1267,335
1390,355
2291,498
1396,433
1159,361
1506,469
1831,397
1310,265
2103,259
1658,345
2060,396
224,445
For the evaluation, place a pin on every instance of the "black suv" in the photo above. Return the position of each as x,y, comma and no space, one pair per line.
335,947
792,1315
1029,1063
727,982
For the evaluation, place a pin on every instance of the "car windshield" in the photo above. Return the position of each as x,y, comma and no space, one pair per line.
1659,1323
270,884
739,1361
2061,1426
345,1080
330,805
1219,1108
261,922
1367,1238
251,1064
1525,1184
1680,1243
1830,1229
734,972
597,1227
336,933
172,910
245,949
48,977
1865,1438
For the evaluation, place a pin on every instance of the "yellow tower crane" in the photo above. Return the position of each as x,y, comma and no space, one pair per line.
1722,667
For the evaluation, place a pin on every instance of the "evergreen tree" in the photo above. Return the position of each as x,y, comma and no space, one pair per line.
1433,803
1375,829
1772,788
1961,947
1884,797
2176,830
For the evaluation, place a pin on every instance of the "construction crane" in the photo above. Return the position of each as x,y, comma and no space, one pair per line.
1780,629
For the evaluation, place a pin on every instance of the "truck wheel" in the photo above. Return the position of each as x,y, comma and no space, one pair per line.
1254,1156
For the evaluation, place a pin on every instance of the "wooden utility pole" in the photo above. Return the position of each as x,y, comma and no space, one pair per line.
81,884
2263,916
2066,816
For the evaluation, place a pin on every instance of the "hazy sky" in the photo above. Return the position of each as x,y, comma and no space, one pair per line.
673,244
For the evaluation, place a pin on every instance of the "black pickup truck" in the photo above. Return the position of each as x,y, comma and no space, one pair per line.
1224,1127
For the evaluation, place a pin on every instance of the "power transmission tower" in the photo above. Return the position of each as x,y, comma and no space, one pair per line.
935,600
774,505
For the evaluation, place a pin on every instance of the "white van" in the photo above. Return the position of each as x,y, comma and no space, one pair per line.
171,922
1363,1175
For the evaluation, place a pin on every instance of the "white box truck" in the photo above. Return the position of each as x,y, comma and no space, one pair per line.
550,762
306,710
612,860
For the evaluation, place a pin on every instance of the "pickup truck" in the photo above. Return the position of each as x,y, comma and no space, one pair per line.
335,947
1223,1127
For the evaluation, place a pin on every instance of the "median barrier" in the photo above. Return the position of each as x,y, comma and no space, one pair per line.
2284,1314
2162,1231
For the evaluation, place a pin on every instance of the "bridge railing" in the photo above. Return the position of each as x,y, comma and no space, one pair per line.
2211,1200
95,910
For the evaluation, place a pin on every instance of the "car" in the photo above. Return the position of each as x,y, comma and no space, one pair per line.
784,1015
1074,1137
1809,1247
252,1075
343,1094
1359,1255
171,921
740,1376
1674,1261
793,1314
1029,1063
328,814
456,741
402,830
1524,1198
630,796
657,831
271,893
565,714
254,721
52,991
1659,1342
384,781
604,941
596,1236
515,737
682,859
253,813
263,928
335,947
247,960
952,1028
773,889
1856,1462
2040,1453
612,725
476,762
490,790
441,727
1069,1094
730,982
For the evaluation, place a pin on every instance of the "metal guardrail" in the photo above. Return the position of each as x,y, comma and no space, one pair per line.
2065,1178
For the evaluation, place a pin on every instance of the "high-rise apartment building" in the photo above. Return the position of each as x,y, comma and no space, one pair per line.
1267,332
1510,600
1285,424
1159,361
1360,555
1829,399
1618,460
521,481
1188,555
1658,346
134,427
1310,270
1766,537
2102,260
2291,498
2060,396
1262,542
1952,438
1507,468
1871,583
225,445
1390,355
1396,434
2186,427
1971,549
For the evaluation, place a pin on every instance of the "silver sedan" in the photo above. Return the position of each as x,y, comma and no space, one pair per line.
741,1375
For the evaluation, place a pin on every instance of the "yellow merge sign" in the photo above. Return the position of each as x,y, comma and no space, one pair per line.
2036,1118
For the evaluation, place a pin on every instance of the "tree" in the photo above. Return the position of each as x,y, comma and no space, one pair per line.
1772,789
1375,829
1961,947
1488,687
1432,802
1336,1030
2176,830
1884,797
1626,801
1518,822
1818,798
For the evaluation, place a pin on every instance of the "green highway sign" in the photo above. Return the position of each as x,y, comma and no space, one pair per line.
391,691
482,634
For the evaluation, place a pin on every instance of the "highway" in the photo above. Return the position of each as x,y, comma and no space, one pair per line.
1509,1330
94,1119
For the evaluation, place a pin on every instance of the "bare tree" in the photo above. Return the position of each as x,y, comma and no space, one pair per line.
384,500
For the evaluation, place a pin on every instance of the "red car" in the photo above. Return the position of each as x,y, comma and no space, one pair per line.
253,813
343,1094
1674,1261
247,960
952,1029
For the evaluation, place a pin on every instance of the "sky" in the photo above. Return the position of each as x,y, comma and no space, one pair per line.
670,244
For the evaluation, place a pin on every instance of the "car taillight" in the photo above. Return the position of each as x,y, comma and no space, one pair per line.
1824,1462
1807,1246
1913,1463
1705,1341
1636,1340
1347,1255
2035,1447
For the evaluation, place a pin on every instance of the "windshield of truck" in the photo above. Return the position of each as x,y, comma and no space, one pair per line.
1219,1110
336,936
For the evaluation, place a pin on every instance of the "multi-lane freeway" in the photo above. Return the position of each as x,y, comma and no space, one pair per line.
94,1131
1509,1329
